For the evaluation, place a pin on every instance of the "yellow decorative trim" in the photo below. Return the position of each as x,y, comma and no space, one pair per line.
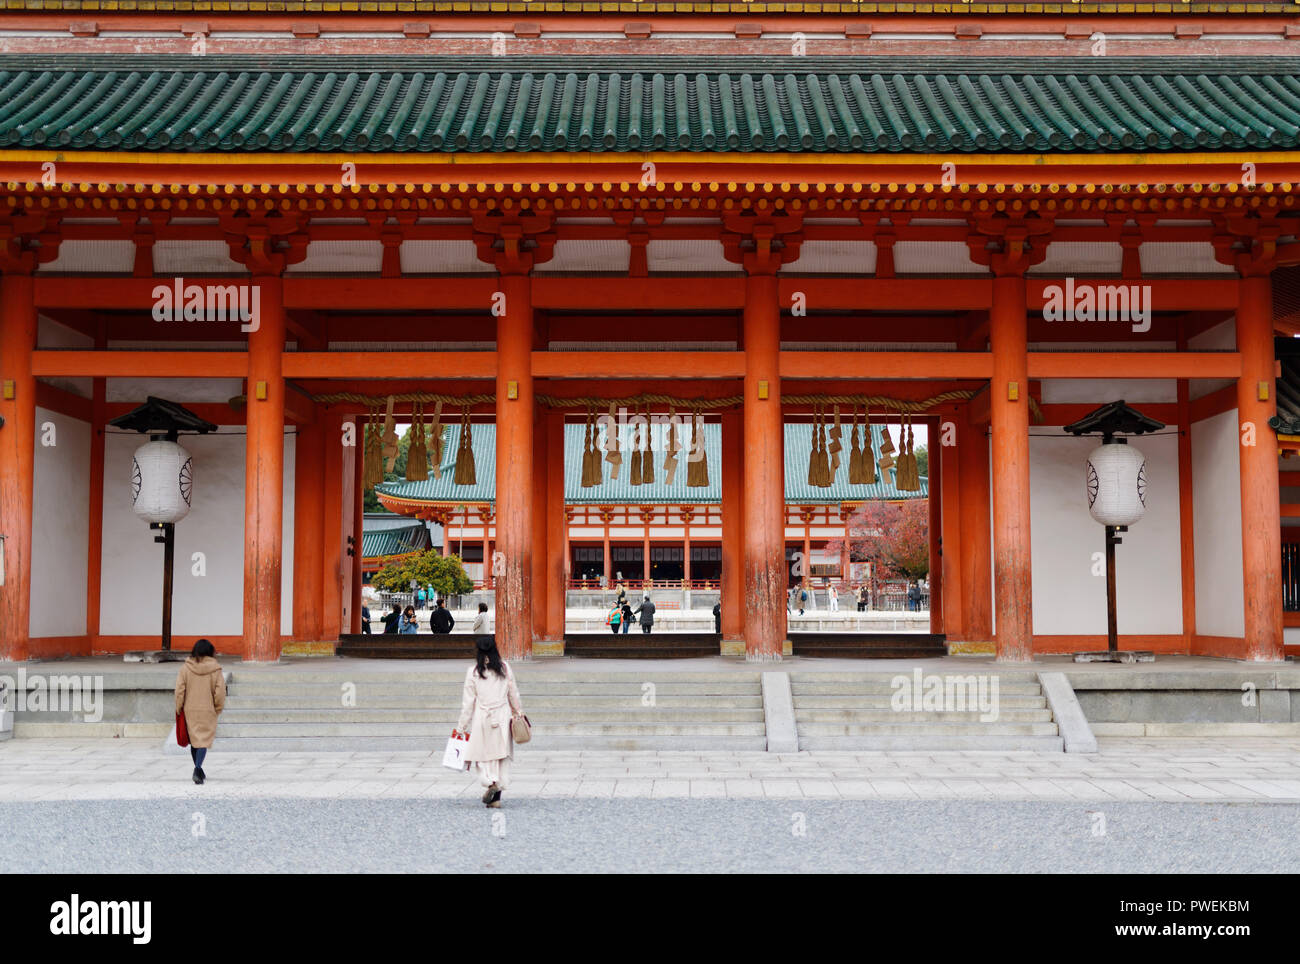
972,648
307,648
660,157
544,647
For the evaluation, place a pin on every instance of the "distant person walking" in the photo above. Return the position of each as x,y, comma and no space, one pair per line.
613,618
441,621
914,596
365,620
489,702
628,617
647,614
833,595
482,621
201,696
803,599
862,598
717,616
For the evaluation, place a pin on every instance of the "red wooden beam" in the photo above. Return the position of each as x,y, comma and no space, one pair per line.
64,402
446,293
1134,364
649,364
1162,294
680,293
395,364
862,294
885,364
1215,403
140,364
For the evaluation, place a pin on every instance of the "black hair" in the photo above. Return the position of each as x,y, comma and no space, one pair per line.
203,648
487,656
482,607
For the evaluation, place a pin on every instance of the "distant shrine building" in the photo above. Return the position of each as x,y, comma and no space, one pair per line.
769,233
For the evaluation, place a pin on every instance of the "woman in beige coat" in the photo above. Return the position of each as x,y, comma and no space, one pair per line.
490,701
201,694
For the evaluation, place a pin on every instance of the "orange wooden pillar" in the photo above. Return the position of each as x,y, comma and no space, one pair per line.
264,476
1009,411
309,532
352,607
556,541
947,469
1186,507
336,458
764,469
514,461
1261,532
95,490
733,511
934,504
976,533
17,460
541,528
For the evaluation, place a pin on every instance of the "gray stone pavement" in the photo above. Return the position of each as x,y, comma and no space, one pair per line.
1250,770
648,836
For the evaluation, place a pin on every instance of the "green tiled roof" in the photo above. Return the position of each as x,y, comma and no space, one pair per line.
798,443
393,542
586,104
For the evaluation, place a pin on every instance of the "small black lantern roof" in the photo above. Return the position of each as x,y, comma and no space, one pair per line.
1117,418
157,416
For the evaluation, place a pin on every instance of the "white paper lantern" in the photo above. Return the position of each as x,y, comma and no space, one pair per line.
161,477
1117,484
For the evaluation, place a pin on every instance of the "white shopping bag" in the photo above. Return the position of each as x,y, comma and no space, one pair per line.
453,758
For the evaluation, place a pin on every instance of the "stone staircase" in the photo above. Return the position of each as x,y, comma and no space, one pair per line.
306,710
852,711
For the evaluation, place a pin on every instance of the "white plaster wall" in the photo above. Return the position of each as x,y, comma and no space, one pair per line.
1222,337
1216,508
212,604
60,525
1068,598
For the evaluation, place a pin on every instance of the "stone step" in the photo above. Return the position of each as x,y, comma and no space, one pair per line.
856,715
924,739
331,691
529,673
440,731
884,687
936,727
700,742
533,701
883,702
442,715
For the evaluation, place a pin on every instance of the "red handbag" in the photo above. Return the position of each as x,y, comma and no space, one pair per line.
182,732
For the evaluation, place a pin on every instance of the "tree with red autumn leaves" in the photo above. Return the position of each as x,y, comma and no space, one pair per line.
893,536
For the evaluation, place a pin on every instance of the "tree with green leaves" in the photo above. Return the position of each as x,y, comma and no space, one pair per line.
372,503
445,574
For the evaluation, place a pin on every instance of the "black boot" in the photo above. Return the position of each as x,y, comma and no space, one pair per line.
198,775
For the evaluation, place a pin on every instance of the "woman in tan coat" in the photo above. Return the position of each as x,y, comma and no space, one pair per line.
489,702
201,694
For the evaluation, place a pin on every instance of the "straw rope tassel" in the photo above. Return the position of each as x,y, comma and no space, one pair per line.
586,451
373,470
868,453
417,455
823,454
670,458
634,476
812,451
835,447
597,463
465,474
390,437
612,454
436,440
886,460
855,450
648,454
697,469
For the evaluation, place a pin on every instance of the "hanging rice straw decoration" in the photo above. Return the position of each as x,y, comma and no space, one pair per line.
417,453
586,451
597,466
648,453
909,473
372,473
673,446
390,437
697,468
612,454
465,474
812,451
634,478
436,440
855,450
834,448
886,460
868,453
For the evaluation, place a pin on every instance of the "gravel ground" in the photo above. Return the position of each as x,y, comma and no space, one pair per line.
645,835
